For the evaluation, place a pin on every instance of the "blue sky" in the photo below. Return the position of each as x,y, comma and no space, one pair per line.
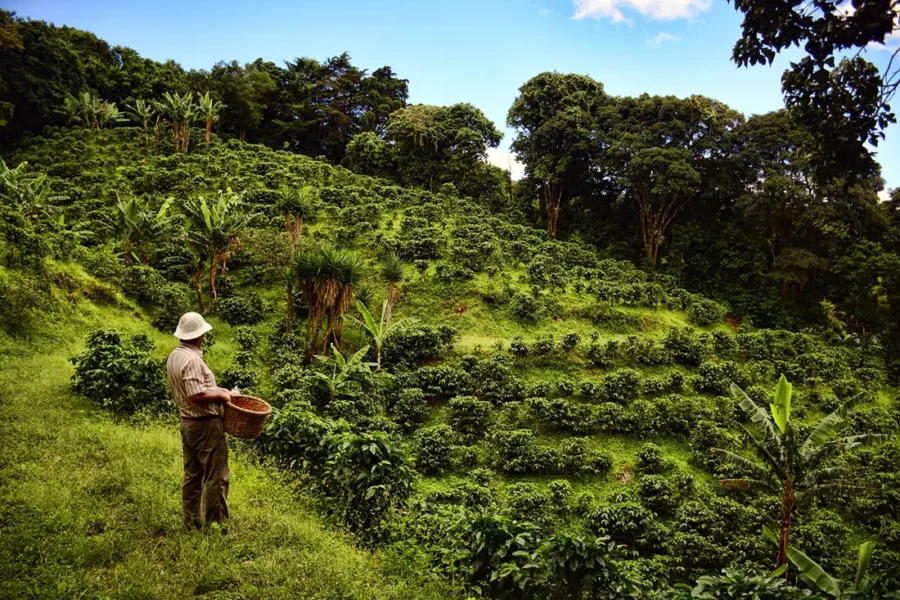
477,51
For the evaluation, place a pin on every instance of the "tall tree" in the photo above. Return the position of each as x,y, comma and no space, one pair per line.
661,150
845,102
440,144
555,117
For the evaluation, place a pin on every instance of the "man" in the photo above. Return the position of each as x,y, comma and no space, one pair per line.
204,490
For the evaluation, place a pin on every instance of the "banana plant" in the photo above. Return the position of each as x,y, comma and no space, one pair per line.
143,112
210,112
138,227
179,112
215,230
816,576
28,192
379,330
792,468
340,381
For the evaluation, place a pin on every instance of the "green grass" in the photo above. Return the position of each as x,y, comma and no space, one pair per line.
90,507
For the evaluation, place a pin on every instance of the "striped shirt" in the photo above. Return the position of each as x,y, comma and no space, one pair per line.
189,375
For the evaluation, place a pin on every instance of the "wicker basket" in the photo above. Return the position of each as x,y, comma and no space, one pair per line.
245,416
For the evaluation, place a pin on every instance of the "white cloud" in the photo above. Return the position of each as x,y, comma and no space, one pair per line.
663,10
663,37
884,195
544,12
506,160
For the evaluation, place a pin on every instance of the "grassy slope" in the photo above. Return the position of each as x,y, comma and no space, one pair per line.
91,508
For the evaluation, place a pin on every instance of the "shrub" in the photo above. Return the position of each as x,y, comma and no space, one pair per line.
469,416
589,390
246,338
621,386
433,449
723,344
624,522
241,309
565,388
543,345
644,351
569,341
410,409
240,376
650,458
560,492
299,437
368,475
518,347
525,308
119,373
658,494
716,378
441,382
577,458
604,355
527,502
704,312
518,452
684,346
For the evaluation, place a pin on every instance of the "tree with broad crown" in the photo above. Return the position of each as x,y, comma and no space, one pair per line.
555,118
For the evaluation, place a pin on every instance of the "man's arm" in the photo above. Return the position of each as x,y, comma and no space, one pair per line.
215,394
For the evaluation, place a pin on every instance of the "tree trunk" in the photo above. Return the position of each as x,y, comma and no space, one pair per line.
553,200
378,359
289,319
392,294
785,537
212,279
199,290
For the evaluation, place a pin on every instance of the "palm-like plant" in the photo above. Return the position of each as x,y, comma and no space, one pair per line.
143,112
296,206
862,586
327,277
179,111
214,231
339,381
138,227
379,330
792,468
90,111
210,111
392,271
28,192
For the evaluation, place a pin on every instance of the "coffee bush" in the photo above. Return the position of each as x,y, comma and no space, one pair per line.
119,372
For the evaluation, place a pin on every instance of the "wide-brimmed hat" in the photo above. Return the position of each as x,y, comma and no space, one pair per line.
191,326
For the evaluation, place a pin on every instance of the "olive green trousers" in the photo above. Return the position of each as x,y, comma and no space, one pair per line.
204,490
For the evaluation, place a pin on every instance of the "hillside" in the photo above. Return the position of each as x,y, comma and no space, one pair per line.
90,505
544,390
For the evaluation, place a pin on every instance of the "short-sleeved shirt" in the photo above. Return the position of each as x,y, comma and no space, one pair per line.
188,376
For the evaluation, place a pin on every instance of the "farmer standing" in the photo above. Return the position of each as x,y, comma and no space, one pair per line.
204,490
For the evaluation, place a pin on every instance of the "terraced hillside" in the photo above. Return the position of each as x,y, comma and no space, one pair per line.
543,393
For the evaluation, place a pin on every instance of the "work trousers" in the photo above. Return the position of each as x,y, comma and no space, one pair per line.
204,490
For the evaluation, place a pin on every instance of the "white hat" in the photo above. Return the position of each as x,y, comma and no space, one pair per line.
191,326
